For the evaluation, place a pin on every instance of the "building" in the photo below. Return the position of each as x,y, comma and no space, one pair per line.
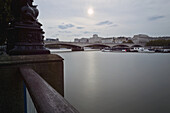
95,39
52,39
120,40
108,40
141,39
76,40
163,38
82,40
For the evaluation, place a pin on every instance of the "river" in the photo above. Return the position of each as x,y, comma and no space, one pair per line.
107,82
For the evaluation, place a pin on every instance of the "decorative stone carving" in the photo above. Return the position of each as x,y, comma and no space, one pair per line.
25,34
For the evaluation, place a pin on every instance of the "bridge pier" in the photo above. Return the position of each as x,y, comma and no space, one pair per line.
77,49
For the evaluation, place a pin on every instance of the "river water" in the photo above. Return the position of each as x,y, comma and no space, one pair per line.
107,82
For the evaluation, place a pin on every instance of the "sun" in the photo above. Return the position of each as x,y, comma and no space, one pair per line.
90,11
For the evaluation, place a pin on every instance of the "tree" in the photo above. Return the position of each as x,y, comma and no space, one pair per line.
124,42
158,43
130,41
5,18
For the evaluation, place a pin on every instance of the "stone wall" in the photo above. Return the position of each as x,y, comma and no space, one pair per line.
49,67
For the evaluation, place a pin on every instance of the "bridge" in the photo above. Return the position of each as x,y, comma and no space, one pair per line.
80,46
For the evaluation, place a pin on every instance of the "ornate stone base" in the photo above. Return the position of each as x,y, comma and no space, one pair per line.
26,39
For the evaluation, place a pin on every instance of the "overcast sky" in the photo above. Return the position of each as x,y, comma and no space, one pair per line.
68,19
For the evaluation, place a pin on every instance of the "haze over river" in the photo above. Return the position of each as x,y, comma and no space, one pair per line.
107,82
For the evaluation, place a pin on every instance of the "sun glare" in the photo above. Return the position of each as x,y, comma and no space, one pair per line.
90,11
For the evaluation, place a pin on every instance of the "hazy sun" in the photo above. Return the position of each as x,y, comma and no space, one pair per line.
90,11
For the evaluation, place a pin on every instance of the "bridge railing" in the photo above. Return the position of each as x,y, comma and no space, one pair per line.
45,98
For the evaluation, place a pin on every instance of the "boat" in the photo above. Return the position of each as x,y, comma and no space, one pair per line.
119,50
146,51
107,49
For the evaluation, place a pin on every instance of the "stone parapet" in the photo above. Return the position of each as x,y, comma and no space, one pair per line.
49,67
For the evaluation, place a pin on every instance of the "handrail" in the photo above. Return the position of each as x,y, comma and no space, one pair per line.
45,98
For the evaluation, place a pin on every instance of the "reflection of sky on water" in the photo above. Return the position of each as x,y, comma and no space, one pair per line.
97,82
90,74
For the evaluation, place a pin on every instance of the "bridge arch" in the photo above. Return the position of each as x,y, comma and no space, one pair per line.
97,45
68,45
72,46
136,45
121,46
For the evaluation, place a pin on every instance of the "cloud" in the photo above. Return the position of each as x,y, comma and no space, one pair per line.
88,32
64,31
114,25
55,35
76,35
104,23
111,18
80,27
156,18
51,27
65,26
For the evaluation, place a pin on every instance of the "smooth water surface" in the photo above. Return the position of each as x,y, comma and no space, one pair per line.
107,82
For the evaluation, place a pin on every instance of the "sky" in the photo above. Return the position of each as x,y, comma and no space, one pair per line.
69,19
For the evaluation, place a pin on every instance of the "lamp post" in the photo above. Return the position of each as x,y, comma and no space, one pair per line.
25,36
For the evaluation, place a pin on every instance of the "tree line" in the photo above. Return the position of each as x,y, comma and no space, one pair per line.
160,42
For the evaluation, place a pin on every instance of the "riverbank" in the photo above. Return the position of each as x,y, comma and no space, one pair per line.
69,50
53,51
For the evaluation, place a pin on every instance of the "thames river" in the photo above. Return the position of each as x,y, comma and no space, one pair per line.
107,82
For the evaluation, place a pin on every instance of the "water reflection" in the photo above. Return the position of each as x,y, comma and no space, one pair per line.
97,82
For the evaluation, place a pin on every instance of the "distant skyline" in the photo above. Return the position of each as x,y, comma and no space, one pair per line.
69,19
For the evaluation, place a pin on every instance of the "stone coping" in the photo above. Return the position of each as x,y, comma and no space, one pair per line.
27,59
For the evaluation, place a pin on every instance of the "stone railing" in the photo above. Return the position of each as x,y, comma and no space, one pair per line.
45,98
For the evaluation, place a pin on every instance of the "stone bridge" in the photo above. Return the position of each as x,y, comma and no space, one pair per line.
78,45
